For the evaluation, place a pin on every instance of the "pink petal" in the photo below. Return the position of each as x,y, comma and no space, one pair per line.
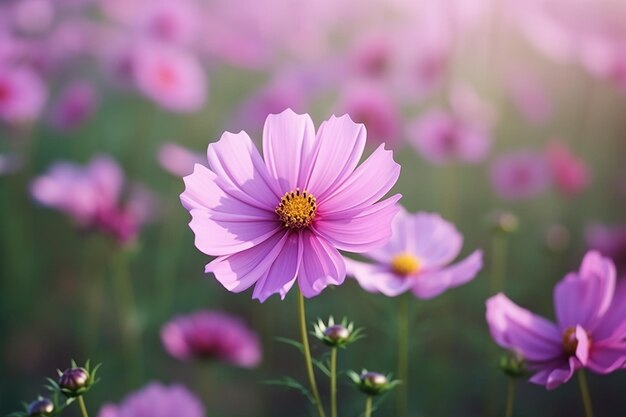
613,323
236,161
515,328
282,274
322,265
340,144
595,265
606,358
362,230
367,184
239,271
435,241
226,236
378,278
431,284
288,141
556,374
401,231
582,345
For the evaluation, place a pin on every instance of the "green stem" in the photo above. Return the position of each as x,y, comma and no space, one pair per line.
81,404
368,406
498,262
584,393
333,382
403,355
510,397
307,355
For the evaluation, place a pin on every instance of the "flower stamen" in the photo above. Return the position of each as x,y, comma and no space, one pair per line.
570,343
405,264
297,209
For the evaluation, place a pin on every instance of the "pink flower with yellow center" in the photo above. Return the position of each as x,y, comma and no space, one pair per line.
417,258
284,217
590,329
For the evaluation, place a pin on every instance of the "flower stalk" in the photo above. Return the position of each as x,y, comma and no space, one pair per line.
584,393
403,355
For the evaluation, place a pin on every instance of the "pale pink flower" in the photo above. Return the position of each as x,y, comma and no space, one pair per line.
173,21
178,160
22,94
529,97
569,172
156,400
520,175
212,335
590,329
171,77
274,220
417,258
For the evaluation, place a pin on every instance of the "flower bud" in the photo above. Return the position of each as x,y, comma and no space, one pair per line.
504,222
74,381
513,365
372,383
336,335
41,407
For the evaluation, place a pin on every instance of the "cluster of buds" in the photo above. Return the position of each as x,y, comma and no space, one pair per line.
336,335
513,365
72,383
372,383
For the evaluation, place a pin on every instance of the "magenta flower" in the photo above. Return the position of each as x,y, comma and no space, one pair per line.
212,335
373,106
76,103
169,21
609,241
590,331
156,400
22,94
441,138
274,220
178,160
91,196
417,258
171,77
569,173
520,175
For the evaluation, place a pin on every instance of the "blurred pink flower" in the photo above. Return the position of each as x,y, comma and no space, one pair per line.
174,21
171,77
156,400
76,104
22,94
520,175
32,16
418,258
9,163
530,98
282,217
569,173
590,331
610,241
91,196
441,138
212,335
373,106
178,160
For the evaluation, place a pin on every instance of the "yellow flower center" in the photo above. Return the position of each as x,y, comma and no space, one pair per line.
297,209
405,264
569,341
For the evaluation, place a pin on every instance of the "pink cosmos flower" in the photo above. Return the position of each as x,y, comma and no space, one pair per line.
212,335
178,160
173,21
171,77
569,173
374,107
417,258
274,220
76,103
609,241
520,175
441,138
529,96
91,196
590,331
22,94
156,400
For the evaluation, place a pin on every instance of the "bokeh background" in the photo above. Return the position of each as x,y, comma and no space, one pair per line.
137,79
